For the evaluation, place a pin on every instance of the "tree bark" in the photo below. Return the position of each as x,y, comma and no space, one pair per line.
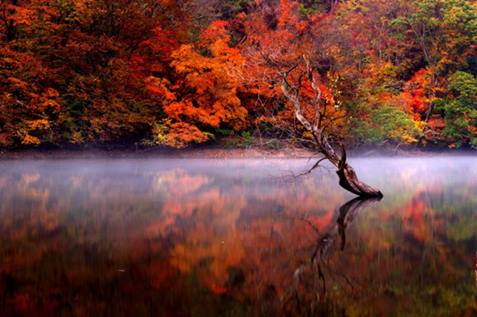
347,176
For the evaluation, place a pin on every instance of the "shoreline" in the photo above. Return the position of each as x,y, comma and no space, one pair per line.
214,152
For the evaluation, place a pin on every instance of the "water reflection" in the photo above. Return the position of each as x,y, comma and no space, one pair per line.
215,238
308,291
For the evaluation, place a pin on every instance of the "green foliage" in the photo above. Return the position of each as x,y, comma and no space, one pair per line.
461,110
465,85
246,138
224,132
387,123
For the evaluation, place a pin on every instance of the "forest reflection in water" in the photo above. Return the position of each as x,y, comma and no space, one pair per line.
236,238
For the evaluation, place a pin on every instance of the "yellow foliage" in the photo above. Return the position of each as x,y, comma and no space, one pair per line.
177,135
30,140
41,124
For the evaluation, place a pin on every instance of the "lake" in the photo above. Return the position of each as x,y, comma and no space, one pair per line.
191,237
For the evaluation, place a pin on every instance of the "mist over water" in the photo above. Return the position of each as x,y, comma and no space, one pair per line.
192,237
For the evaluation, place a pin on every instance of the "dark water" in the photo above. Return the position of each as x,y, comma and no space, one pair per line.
236,238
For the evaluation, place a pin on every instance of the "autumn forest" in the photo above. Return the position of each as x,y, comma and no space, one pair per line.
238,158
177,73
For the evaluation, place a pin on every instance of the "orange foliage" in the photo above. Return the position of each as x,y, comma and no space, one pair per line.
27,107
208,86
173,73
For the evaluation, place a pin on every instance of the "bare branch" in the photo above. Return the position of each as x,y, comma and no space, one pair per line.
346,174
316,165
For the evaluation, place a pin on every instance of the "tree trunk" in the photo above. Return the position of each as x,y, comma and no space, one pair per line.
11,31
347,176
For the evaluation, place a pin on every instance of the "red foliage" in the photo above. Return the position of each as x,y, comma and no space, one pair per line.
417,92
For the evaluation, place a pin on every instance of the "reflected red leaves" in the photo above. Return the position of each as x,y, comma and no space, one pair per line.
226,234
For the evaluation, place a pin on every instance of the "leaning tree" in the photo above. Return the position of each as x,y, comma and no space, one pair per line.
334,152
287,51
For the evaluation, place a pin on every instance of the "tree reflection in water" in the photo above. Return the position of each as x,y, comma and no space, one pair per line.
213,238
307,294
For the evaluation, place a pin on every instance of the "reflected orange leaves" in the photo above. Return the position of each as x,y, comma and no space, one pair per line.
211,236
236,234
222,231
415,215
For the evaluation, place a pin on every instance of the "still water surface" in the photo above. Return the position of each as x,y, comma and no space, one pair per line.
156,237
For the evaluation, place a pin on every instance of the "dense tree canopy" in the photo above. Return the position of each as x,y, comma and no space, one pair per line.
181,72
